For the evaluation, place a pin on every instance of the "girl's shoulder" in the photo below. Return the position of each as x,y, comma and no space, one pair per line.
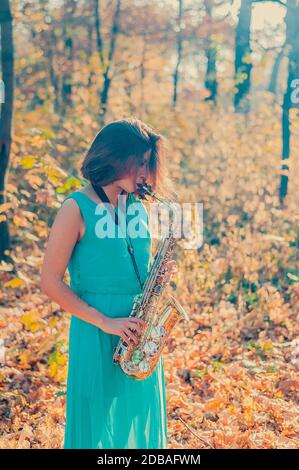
80,197
83,202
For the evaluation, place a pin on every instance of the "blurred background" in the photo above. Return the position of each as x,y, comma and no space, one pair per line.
219,79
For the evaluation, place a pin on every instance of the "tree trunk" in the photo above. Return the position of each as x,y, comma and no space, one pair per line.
210,51
179,48
7,65
50,54
142,78
243,60
292,42
274,74
90,51
67,76
104,92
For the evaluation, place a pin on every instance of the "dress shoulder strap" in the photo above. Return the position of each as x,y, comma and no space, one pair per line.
86,205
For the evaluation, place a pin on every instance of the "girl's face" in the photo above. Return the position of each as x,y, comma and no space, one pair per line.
137,175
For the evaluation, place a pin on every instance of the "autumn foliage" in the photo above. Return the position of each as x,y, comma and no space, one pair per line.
232,370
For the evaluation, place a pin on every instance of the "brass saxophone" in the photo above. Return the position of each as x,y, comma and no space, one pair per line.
138,361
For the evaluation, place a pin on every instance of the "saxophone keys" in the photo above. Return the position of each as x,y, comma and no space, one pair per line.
136,356
150,348
144,366
158,288
158,332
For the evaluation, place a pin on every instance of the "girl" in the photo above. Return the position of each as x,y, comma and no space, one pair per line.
105,409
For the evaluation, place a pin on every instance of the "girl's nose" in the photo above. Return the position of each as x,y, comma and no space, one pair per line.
142,174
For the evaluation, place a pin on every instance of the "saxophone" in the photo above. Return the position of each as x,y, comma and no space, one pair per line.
138,361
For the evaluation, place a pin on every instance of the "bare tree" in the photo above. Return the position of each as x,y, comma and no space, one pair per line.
275,70
67,76
7,64
115,28
179,51
292,42
243,60
210,51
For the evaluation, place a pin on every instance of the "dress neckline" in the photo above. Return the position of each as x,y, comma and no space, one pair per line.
96,203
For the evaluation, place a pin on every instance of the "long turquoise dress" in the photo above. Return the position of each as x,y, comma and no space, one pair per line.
105,409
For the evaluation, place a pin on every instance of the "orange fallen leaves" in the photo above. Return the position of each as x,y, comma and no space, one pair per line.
231,371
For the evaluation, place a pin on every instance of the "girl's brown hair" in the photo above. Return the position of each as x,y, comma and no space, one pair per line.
119,147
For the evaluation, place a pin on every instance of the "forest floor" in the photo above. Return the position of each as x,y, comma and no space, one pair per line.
232,370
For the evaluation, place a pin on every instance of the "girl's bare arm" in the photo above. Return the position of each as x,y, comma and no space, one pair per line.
62,239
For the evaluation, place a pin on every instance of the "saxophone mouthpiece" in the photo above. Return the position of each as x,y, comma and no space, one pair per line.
144,189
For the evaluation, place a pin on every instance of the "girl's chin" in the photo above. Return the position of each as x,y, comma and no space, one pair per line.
131,189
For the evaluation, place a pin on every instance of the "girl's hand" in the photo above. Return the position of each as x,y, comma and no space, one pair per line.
171,267
123,327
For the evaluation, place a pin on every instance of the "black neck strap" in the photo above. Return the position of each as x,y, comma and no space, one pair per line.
103,196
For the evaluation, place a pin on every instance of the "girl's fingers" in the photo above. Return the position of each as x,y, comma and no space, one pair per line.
131,335
135,327
172,266
137,320
172,261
